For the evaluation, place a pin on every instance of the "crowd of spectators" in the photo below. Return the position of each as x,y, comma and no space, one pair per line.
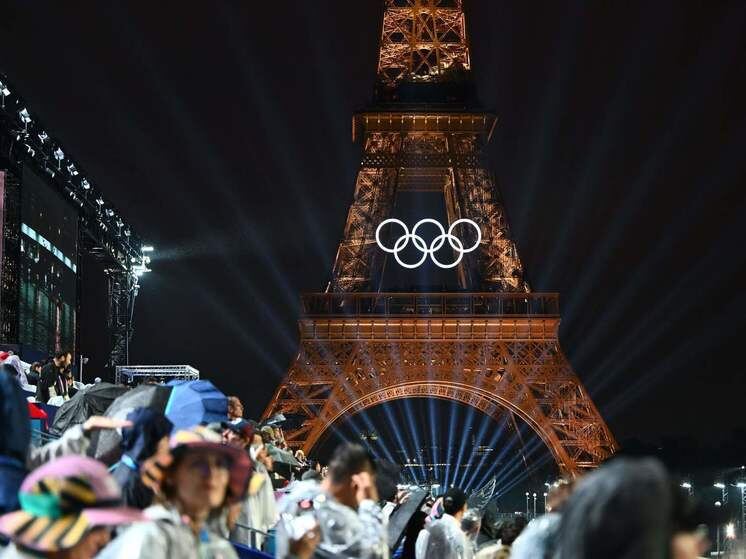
221,489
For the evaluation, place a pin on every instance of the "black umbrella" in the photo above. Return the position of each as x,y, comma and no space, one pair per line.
105,444
92,400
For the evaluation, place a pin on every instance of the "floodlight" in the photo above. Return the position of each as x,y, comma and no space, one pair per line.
719,485
25,117
100,201
43,137
147,248
85,184
686,485
72,170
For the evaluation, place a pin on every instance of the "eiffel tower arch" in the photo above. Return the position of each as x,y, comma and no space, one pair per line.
492,343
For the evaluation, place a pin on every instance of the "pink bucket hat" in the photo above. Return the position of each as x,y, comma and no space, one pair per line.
61,501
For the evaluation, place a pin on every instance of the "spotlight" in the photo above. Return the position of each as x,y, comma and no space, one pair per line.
4,92
85,184
147,248
43,137
25,117
100,201
719,485
72,170
127,232
109,212
59,155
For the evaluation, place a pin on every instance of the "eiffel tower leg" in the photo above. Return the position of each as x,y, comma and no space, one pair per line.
531,378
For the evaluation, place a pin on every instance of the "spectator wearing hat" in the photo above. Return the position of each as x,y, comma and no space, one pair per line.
238,433
68,507
200,476
149,433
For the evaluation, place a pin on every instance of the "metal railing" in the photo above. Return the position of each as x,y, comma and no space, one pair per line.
430,304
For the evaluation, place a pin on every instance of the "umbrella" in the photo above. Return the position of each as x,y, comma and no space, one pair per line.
185,403
195,402
92,400
105,444
280,456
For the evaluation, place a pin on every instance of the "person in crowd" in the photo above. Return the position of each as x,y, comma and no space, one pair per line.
259,510
267,434
343,508
443,538
537,541
34,373
508,531
203,476
311,475
68,508
12,365
471,523
630,509
50,375
147,435
238,433
17,456
415,525
235,408
14,446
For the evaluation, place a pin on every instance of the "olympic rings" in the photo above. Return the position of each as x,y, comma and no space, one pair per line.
436,244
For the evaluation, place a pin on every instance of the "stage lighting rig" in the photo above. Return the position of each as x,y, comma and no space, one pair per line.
30,145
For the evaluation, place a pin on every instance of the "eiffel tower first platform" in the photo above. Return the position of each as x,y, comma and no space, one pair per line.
492,343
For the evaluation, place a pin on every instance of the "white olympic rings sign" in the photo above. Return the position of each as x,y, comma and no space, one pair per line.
436,244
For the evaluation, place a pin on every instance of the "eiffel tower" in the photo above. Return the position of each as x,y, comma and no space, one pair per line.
491,343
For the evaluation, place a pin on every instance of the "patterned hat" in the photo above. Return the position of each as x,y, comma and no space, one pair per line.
200,438
61,501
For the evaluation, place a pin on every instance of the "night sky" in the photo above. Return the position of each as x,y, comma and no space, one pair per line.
221,131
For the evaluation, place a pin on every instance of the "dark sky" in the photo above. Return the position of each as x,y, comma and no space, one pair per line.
221,130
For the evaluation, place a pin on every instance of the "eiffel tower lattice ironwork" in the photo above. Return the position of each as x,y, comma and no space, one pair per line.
493,344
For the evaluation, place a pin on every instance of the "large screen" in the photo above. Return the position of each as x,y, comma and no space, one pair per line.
49,239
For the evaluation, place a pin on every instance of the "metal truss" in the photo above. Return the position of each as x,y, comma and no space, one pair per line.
493,346
421,40
173,372
103,234
491,361
439,160
122,291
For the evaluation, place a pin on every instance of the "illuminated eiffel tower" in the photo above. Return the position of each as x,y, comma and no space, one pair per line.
491,344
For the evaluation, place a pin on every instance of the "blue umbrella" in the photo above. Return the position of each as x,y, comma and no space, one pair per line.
193,402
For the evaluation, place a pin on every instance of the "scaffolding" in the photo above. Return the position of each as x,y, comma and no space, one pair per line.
134,374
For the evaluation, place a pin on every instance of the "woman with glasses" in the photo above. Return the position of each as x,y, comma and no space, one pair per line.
199,477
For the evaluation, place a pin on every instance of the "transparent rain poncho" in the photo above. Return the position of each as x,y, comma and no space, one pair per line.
344,532
446,540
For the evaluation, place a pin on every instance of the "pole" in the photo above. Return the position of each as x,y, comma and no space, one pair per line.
527,511
534,505
718,504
